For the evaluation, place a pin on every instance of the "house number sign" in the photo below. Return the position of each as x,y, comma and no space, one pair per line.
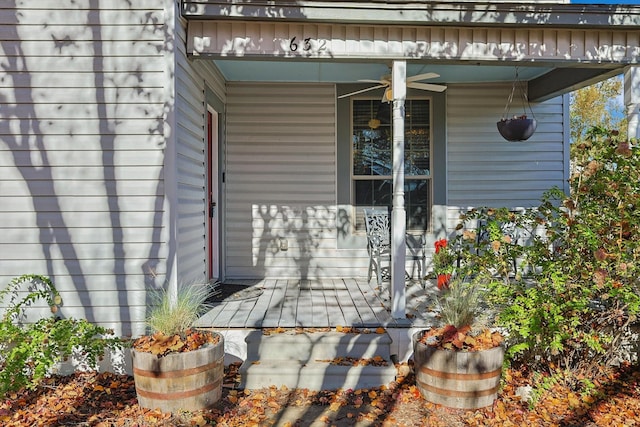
307,45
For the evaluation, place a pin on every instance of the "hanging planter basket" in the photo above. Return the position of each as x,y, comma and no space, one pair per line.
517,127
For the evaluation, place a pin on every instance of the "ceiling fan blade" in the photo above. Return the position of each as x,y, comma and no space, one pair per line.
382,82
424,76
427,86
361,91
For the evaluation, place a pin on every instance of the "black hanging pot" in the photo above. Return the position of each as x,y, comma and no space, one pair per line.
517,129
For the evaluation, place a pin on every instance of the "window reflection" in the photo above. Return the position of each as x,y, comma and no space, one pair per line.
372,152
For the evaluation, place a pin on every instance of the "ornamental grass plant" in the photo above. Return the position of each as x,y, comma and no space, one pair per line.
459,304
174,315
171,319
464,318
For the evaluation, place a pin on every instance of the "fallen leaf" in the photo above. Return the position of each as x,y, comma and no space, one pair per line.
199,421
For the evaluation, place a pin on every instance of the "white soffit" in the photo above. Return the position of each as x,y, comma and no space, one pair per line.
341,72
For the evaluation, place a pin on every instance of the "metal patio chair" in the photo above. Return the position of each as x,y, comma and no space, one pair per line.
378,228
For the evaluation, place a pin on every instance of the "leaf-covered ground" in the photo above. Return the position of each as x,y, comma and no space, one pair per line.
613,399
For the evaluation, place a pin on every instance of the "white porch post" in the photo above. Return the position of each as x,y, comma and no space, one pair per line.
398,214
632,100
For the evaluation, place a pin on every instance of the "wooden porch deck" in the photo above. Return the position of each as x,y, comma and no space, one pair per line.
272,303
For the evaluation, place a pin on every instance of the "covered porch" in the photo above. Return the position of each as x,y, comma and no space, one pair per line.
296,169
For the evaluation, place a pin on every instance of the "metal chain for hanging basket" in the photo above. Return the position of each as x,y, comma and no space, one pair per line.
517,128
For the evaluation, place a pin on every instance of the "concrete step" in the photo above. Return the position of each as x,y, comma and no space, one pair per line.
317,360
316,345
314,375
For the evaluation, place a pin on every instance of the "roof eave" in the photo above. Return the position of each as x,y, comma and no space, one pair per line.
486,14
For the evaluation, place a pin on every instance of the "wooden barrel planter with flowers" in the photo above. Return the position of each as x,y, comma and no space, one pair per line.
457,379
187,381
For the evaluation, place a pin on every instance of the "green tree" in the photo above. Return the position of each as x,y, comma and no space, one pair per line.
597,105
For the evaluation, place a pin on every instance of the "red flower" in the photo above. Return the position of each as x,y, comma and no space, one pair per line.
443,281
440,244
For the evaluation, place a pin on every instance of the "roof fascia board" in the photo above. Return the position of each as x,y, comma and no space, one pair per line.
419,13
564,80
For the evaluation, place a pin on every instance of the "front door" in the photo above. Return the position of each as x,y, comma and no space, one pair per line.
213,229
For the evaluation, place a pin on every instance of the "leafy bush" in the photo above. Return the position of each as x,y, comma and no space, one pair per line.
569,296
31,350
494,241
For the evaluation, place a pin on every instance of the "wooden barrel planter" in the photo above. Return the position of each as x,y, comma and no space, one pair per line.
457,379
189,381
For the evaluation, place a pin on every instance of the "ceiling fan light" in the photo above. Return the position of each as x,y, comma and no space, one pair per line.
388,95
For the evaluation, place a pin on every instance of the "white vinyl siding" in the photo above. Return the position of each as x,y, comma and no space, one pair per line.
191,171
485,170
280,181
82,152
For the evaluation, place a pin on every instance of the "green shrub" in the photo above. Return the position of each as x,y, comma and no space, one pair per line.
492,241
571,301
31,349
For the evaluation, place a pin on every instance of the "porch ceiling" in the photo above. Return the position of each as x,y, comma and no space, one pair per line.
544,81
340,72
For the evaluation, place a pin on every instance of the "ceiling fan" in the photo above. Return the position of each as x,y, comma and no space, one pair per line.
412,82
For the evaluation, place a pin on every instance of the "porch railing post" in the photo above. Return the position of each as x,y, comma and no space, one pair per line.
632,100
398,213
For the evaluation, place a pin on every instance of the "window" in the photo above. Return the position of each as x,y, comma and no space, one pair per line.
372,151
